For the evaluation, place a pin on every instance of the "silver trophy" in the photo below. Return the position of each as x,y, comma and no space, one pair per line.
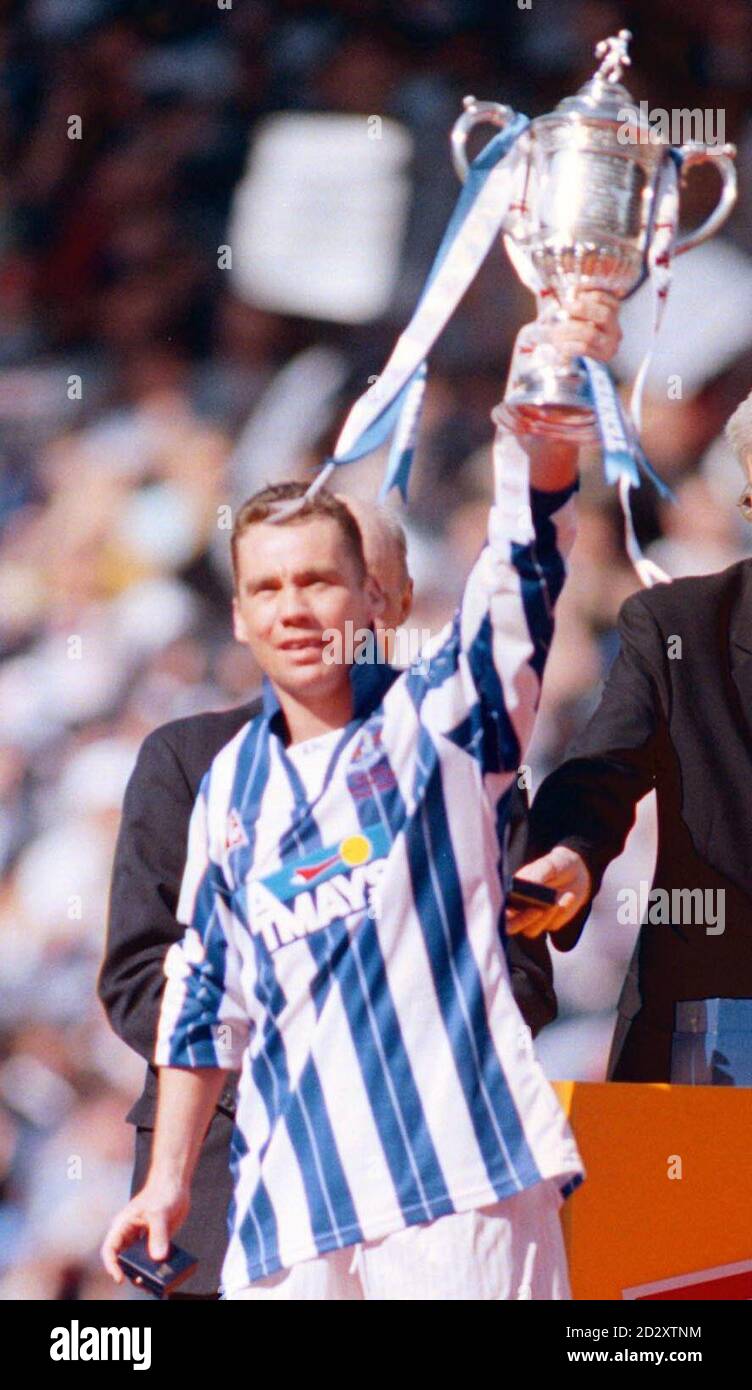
590,174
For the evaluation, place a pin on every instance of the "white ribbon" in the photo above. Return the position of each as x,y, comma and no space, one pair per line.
480,212
660,252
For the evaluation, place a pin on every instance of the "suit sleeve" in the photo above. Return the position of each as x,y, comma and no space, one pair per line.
589,802
147,871
529,959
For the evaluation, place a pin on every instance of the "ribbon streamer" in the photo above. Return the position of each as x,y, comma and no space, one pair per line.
664,228
392,405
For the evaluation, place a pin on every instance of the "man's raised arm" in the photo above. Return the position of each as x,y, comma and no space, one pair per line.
485,673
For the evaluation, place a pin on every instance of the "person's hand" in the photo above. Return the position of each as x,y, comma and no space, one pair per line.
587,327
564,870
159,1210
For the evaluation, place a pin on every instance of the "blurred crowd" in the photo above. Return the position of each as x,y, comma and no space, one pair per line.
142,396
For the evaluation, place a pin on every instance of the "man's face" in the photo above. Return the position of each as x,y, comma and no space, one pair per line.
295,582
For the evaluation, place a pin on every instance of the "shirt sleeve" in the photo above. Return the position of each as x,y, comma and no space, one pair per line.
482,676
203,1020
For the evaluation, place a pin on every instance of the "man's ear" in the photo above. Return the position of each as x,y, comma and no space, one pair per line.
375,595
238,623
406,600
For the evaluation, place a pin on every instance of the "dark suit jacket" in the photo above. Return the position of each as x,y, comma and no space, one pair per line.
148,868
675,716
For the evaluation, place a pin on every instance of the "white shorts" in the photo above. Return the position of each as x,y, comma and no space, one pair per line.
512,1250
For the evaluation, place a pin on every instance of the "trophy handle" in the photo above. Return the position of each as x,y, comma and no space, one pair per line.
475,113
723,158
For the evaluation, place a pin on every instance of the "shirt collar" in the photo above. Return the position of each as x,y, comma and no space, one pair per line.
369,683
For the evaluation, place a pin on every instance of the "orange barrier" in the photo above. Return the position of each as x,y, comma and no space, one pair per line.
668,1191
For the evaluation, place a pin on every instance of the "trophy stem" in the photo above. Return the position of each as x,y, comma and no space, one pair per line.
549,396
553,422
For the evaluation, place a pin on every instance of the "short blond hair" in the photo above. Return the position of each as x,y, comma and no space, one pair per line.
264,505
738,429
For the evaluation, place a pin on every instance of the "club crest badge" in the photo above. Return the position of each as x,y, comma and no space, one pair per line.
235,833
369,748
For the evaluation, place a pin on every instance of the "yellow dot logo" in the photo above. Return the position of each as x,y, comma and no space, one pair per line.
356,849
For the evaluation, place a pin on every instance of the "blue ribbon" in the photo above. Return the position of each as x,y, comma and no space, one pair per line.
623,455
391,421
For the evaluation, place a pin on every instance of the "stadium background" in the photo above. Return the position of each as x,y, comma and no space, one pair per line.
114,613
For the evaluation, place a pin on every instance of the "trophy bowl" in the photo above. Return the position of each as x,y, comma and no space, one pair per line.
583,218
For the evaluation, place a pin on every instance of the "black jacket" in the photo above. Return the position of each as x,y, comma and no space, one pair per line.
147,871
675,715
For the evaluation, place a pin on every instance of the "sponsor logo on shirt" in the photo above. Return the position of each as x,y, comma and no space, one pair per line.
353,850
329,885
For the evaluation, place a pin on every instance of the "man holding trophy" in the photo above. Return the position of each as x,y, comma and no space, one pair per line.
395,1135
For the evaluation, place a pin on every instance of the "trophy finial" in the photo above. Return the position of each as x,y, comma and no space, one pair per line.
614,56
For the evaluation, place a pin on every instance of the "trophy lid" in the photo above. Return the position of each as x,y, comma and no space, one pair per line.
604,98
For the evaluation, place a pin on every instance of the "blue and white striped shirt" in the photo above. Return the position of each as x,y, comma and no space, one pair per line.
345,952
